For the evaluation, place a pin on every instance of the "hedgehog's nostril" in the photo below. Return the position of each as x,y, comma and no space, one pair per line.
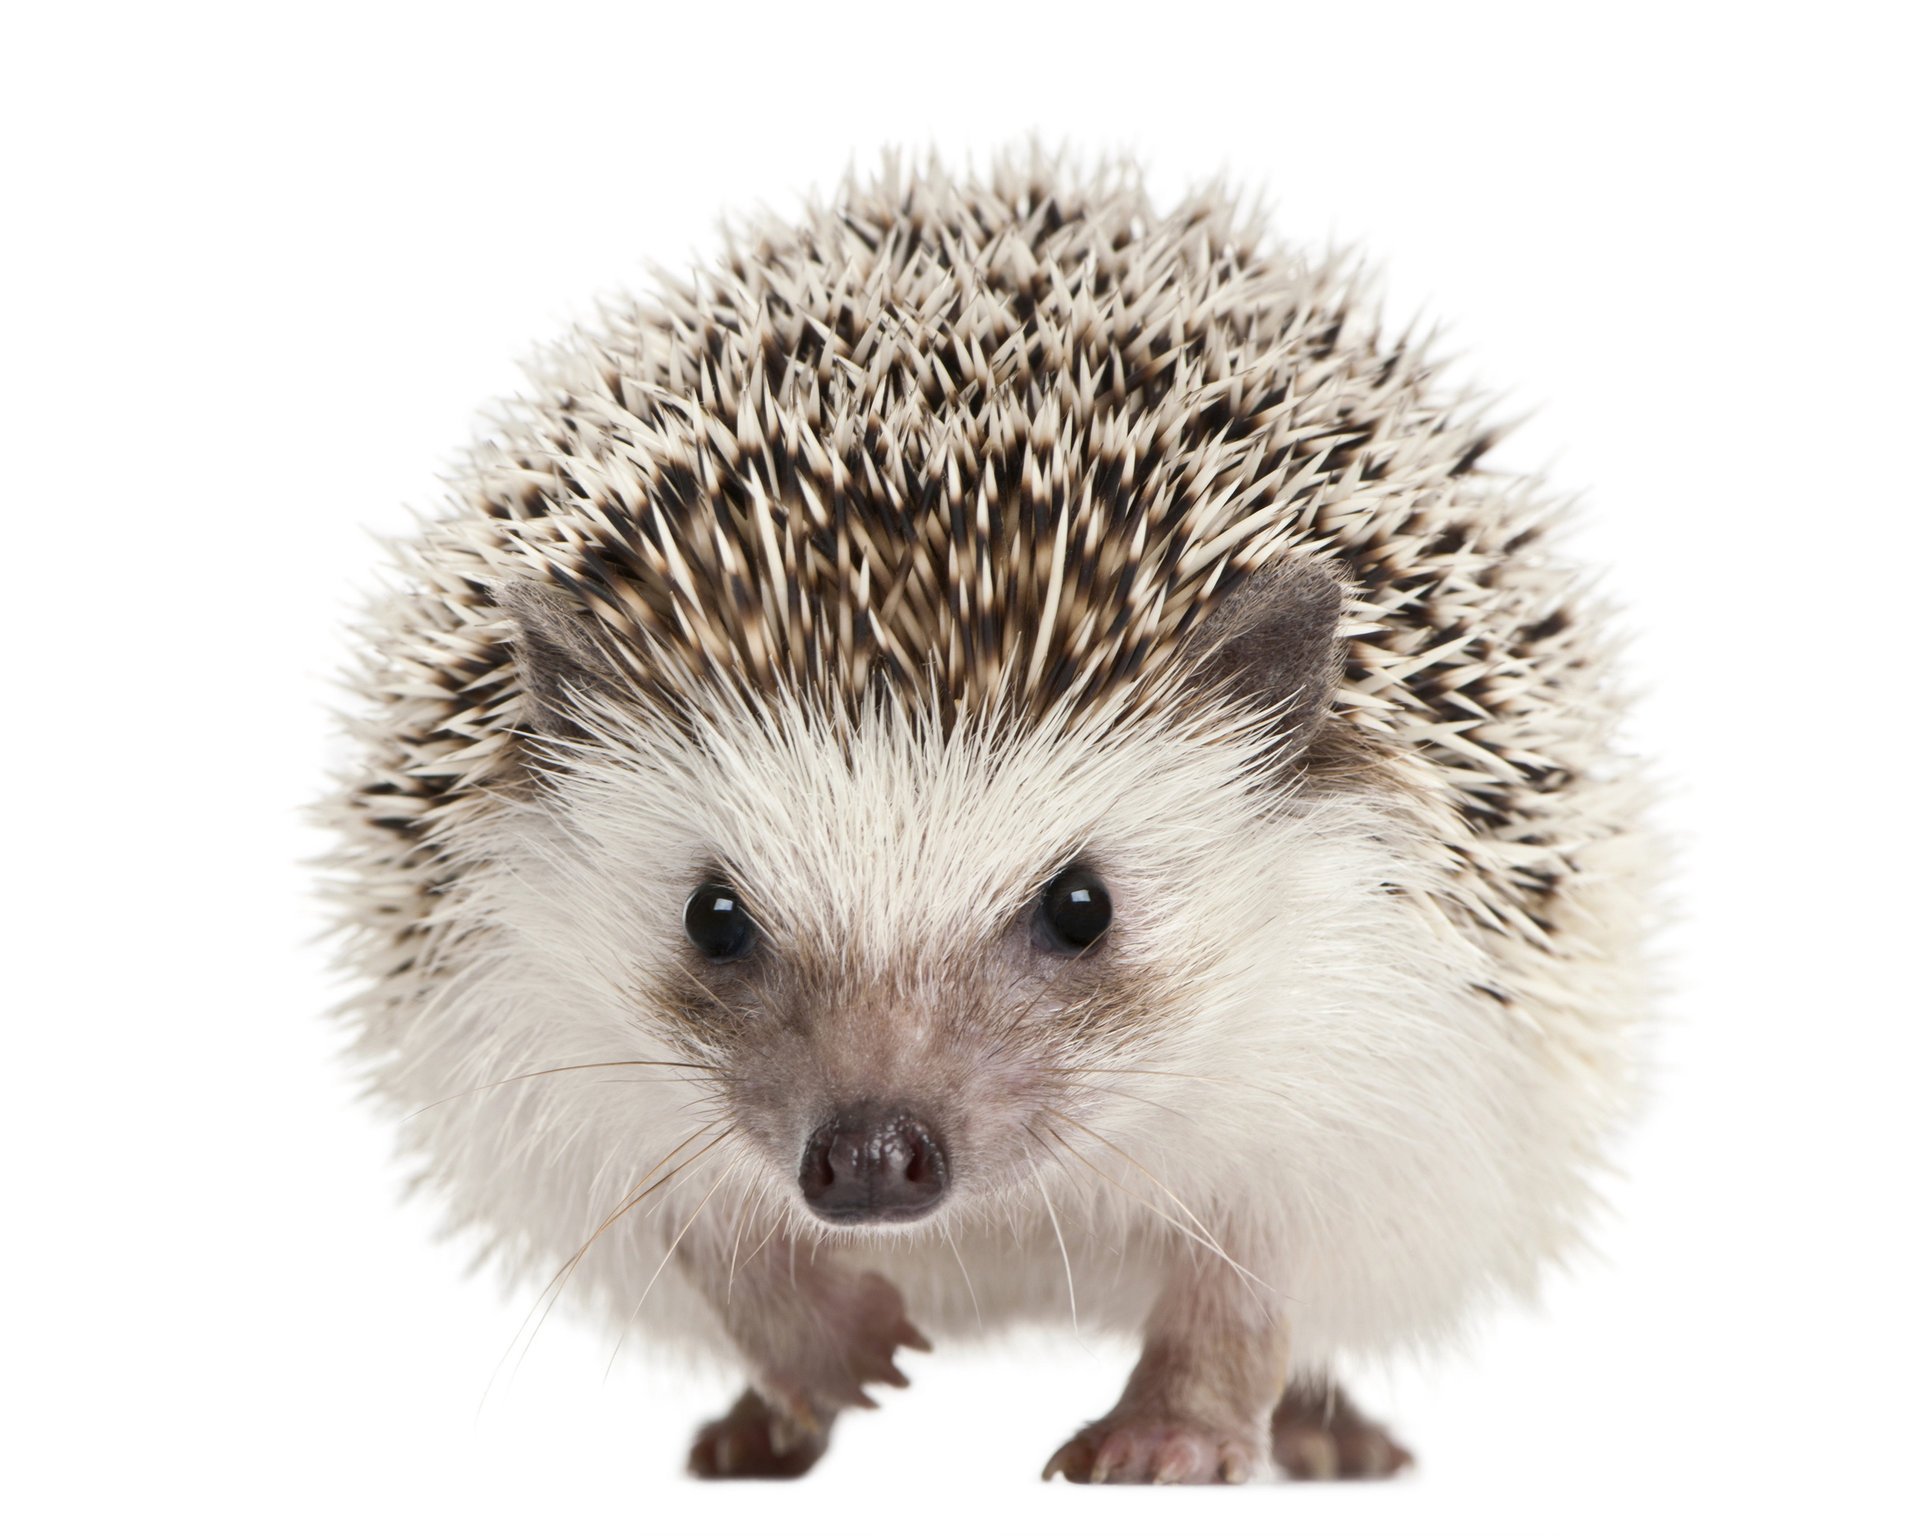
870,1164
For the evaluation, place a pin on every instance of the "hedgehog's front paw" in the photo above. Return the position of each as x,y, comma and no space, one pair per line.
1128,1447
873,1325
846,1345
815,1338
757,1440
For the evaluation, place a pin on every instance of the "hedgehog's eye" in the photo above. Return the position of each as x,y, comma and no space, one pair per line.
1074,911
717,922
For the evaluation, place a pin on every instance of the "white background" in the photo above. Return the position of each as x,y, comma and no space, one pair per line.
259,273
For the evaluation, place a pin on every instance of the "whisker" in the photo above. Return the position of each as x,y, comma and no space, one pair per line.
550,1293
739,1231
631,989
707,991
584,1066
1073,1306
773,1226
1380,1125
1005,1032
658,1185
977,1317
734,1015
1132,1194
1197,1233
1146,1173
1188,1077
1137,1098
666,1258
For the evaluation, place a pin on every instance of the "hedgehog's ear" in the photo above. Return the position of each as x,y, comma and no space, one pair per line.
555,655
1273,640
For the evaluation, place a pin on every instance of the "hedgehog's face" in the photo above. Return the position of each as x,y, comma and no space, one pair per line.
912,967
905,961
903,1062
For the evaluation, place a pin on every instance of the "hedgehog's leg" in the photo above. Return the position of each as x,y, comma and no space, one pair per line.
1319,1434
1197,1407
814,1336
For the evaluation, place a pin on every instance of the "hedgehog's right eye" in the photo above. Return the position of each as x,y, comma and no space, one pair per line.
717,922
1074,911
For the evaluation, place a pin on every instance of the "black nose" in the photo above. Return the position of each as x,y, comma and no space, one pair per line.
868,1164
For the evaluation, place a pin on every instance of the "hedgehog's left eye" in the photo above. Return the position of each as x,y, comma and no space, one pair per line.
717,922
1074,911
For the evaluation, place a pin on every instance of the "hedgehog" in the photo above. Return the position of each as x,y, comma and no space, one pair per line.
998,757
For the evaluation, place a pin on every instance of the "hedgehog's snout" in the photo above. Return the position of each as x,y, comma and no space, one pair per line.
867,1163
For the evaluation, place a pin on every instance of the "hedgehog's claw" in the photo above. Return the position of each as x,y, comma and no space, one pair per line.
1144,1448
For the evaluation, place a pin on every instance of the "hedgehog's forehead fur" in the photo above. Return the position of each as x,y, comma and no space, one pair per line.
890,842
